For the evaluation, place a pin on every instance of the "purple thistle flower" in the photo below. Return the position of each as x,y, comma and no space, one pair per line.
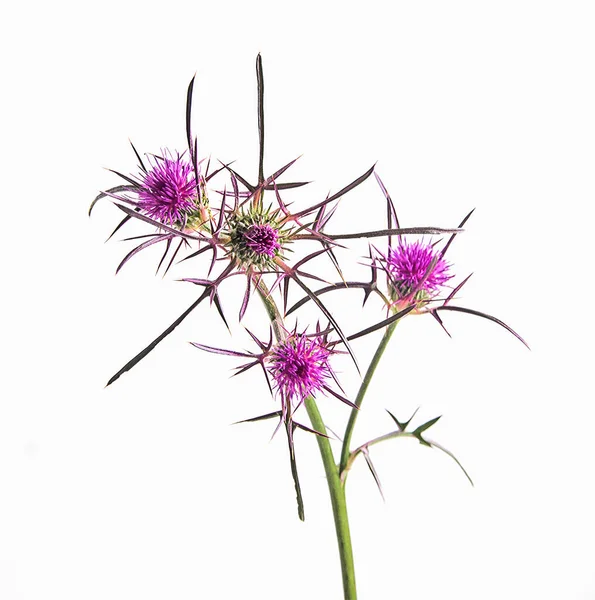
262,239
168,192
299,366
256,237
416,270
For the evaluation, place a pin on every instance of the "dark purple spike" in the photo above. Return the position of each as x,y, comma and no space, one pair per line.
372,470
457,289
236,192
167,247
140,160
335,286
189,139
126,178
260,92
195,281
452,237
310,275
344,191
273,178
243,368
221,217
266,377
277,414
225,166
382,324
259,343
353,184
160,338
146,219
328,315
309,430
207,177
285,294
144,236
196,253
311,209
217,302
287,186
118,226
391,213
339,397
108,193
289,427
322,218
138,248
221,351
171,262
440,322
121,199
246,298
309,257
399,231
470,311
244,182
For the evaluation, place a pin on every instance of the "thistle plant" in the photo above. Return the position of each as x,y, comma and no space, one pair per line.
247,229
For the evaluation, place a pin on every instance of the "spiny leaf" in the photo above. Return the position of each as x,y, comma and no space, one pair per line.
417,433
402,426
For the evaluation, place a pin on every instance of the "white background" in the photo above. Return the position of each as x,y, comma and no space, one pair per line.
144,489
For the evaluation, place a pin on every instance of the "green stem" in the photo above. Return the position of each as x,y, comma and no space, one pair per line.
338,501
336,490
360,398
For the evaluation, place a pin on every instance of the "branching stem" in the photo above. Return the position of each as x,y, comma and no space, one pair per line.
360,398
336,490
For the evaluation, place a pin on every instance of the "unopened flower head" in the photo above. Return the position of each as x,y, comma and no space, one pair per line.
299,366
256,238
416,271
168,192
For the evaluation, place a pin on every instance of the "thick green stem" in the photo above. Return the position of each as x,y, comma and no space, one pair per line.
360,397
338,501
336,490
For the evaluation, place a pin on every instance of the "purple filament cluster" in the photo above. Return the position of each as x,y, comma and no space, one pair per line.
168,191
262,239
299,366
416,268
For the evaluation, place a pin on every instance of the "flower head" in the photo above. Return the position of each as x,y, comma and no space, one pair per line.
416,270
255,238
168,191
299,366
